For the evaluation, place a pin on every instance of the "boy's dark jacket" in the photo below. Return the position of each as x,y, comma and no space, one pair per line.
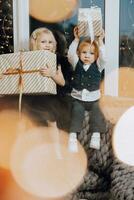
89,79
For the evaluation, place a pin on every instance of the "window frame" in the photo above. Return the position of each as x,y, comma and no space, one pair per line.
21,39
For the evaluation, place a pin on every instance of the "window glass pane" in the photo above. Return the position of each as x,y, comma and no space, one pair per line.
66,26
126,49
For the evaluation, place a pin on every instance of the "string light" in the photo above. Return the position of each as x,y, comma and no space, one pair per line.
6,26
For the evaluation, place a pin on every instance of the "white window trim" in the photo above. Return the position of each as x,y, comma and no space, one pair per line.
21,24
112,47
21,38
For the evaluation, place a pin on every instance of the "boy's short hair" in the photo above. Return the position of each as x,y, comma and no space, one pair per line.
87,41
36,33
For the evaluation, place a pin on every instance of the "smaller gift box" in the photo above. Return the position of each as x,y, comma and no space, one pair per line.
24,68
89,22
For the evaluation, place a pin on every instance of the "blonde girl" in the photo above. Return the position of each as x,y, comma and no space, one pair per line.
43,39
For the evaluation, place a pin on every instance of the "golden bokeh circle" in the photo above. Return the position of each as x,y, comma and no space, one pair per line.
51,10
123,137
10,127
38,169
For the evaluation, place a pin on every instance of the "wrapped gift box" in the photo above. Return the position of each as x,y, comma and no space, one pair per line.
97,20
89,21
26,65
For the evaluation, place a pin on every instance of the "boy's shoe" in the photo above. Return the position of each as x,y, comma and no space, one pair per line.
72,143
95,141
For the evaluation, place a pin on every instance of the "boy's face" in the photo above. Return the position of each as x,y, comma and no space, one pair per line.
87,54
45,42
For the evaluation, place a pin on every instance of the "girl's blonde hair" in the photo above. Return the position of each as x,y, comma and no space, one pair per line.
85,42
34,36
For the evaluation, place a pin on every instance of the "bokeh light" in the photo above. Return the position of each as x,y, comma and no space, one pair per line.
37,168
123,137
51,10
126,82
10,127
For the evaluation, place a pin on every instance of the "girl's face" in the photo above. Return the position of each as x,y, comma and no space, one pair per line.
45,42
87,54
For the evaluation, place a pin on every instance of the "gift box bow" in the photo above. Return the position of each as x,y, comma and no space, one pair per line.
26,64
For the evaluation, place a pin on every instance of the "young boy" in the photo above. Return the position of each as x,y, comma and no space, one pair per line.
88,60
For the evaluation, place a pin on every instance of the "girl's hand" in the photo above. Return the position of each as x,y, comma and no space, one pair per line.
47,71
59,68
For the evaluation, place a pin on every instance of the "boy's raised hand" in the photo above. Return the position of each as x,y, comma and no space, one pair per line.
76,35
101,37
